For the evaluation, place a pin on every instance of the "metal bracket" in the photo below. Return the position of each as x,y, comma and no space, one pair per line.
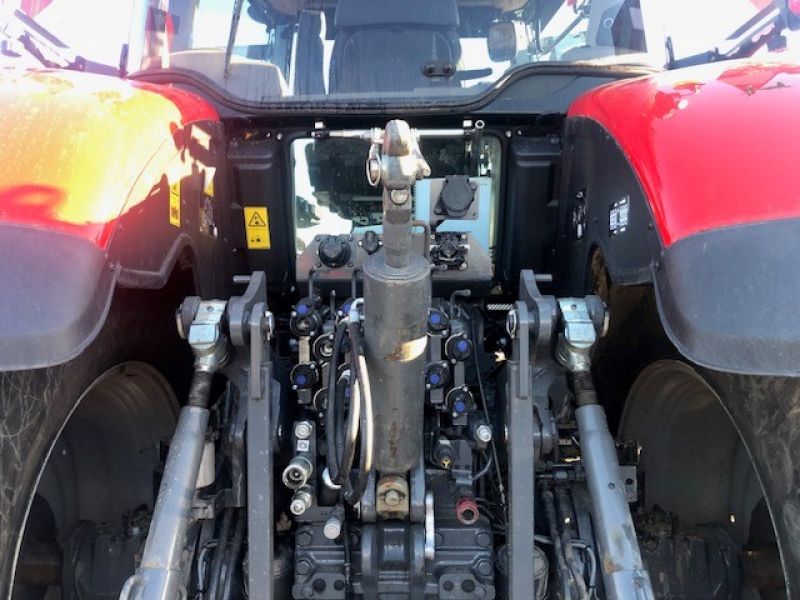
531,325
521,461
205,336
579,336
430,527
418,498
251,326
240,307
544,308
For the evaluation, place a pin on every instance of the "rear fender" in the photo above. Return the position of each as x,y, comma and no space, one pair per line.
112,184
688,181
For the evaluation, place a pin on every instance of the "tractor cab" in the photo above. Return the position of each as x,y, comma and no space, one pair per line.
365,51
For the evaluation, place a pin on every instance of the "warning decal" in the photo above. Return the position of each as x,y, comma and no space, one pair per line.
175,204
256,227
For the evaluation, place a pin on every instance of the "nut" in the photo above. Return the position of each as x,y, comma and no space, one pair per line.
483,433
302,430
399,196
392,498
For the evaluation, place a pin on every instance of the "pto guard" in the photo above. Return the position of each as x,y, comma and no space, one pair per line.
57,290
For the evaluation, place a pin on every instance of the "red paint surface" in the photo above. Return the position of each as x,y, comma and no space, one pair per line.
193,108
34,7
80,150
713,146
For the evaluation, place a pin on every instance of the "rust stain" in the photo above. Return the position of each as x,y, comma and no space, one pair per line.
609,566
396,355
393,437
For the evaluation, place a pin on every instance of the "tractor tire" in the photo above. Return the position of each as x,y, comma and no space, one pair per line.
116,399
706,429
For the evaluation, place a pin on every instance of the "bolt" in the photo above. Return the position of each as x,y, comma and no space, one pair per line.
301,502
483,433
303,567
484,568
392,498
303,538
483,539
332,528
399,196
302,430
297,507
479,592
511,323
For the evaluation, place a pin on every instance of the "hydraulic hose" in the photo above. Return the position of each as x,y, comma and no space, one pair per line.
354,420
330,409
232,558
340,399
348,452
565,517
358,431
484,470
561,562
354,493
219,555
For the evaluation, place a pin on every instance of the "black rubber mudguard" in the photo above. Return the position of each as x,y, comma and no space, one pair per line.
57,290
728,298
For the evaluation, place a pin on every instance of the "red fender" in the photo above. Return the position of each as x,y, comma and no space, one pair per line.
77,146
712,146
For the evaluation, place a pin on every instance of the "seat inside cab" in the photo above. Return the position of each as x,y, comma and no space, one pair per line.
386,46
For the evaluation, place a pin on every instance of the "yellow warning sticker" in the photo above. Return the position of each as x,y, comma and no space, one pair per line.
256,227
175,204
